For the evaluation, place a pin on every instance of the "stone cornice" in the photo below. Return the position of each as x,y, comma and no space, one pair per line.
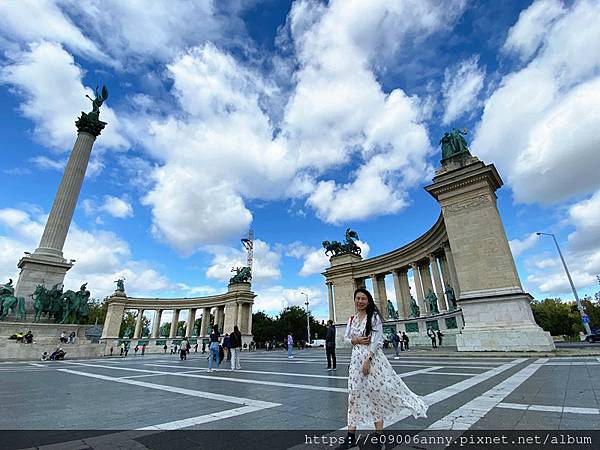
459,180
183,303
87,124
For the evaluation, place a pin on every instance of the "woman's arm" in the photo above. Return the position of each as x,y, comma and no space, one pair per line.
347,337
376,334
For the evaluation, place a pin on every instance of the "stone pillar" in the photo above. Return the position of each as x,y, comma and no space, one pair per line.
46,265
249,323
400,300
437,282
112,322
240,315
380,294
230,316
138,324
404,291
419,289
190,322
359,283
205,322
495,309
330,298
156,323
452,270
219,318
174,320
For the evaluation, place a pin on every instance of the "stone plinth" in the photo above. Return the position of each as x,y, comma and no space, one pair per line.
495,308
39,269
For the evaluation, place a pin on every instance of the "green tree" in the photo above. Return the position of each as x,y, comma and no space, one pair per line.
555,316
263,327
98,309
128,323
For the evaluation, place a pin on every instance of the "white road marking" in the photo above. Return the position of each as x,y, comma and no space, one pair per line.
174,389
401,361
465,417
184,423
572,363
558,409
302,375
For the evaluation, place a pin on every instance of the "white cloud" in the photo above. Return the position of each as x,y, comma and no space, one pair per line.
274,299
101,257
518,246
48,79
533,127
117,207
43,162
586,216
461,87
265,264
526,36
35,20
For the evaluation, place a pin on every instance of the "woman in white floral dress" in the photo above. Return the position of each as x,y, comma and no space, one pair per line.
376,391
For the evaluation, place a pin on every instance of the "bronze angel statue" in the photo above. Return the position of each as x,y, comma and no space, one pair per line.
97,102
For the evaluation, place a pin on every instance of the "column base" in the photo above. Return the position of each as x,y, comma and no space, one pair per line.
497,321
39,269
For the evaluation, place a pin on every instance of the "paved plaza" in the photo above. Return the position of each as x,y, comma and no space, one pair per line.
155,393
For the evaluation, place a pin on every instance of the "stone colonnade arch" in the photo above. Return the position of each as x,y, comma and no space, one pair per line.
233,308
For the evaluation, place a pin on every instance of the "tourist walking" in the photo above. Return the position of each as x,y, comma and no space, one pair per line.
330,346
227,346
184,348
431,335
196,348
439,336
111,350
203,347
214,348
375,392
126,349
236,348
406,340
290,344
135,350
122,348
143,349
395,342
165,348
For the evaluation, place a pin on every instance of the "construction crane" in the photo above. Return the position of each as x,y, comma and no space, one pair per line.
248,244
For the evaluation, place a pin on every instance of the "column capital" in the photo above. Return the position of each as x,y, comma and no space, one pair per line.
414,265
432,257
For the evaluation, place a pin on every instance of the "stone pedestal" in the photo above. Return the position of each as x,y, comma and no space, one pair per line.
114,316
496,310
39,269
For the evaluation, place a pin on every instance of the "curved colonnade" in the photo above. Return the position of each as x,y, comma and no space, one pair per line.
234,308
428,260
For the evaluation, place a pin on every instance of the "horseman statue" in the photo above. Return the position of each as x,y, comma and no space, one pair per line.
63,307
336,248
10,303
243,275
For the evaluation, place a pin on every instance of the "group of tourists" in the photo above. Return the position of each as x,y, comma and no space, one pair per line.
228,346
70,339
400,342
433,335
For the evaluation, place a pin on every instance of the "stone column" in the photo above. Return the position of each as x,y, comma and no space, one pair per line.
240,315
330,298
419,289
138,324
380,294
437,281
174,321
205,322
249,324
359,283
400,300
190,322
156,323
452,269
230,316
112,322
444,268
404,291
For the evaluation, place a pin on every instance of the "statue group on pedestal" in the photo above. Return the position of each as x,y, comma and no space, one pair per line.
8,302
63,307
433,302
243,275
336,248
392,313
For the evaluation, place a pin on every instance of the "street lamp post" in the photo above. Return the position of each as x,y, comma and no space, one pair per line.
307,317
582,313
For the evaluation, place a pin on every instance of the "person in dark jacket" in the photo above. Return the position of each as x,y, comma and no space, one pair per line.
406,340
330,345
235,341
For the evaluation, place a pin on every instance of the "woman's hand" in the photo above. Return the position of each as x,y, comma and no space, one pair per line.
366,366
364,340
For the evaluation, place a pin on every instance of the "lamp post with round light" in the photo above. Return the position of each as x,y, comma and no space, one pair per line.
584,316
307,317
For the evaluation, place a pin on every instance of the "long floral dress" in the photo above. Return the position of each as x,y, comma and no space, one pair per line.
382,394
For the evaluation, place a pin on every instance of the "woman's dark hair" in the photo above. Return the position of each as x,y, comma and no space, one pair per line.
371,309
216,328
236,329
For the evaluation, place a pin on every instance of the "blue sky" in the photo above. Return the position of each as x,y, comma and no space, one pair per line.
298,119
